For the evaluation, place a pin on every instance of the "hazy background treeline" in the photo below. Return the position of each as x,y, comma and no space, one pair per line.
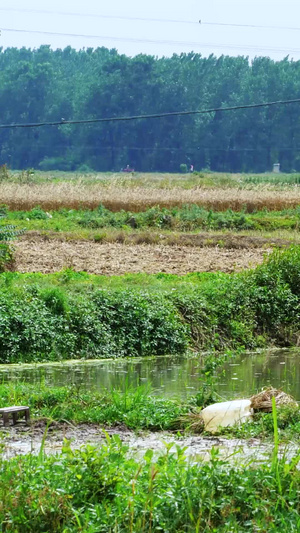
48,85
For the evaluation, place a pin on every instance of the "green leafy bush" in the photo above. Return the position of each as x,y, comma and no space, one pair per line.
40,321
6,257
183,168
4,173
37,213
56,163
7,233
49,324
141,323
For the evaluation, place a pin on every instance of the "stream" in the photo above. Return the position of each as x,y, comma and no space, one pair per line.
169,376
241,377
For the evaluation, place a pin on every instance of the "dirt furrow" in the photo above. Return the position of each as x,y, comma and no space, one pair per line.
36,255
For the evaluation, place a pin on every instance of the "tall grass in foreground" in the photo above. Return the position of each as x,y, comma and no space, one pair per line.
106,490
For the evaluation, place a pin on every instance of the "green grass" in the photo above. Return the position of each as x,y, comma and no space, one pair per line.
262,426
105,490
135,407
138,409
188,218
80,282
280,179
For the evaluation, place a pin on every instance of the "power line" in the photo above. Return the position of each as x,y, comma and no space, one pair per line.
255,26
157,41
151,19
190,150
96,15
156,115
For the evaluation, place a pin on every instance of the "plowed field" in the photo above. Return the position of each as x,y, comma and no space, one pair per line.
38,255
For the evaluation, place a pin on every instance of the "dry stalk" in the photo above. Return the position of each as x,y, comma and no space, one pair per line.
80,194
263,400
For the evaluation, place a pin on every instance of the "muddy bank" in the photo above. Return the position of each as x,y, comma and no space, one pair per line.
47,256
22,439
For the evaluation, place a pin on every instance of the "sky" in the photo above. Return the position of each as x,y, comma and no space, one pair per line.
157,27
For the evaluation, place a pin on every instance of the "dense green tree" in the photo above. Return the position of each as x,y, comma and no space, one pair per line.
49,85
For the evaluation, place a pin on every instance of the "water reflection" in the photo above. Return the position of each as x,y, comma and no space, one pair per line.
250,373
170,376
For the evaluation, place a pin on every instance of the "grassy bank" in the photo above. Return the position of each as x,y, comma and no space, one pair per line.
136,408
103,490
70,315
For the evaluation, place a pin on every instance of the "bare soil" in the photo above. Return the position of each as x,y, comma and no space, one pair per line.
21,439
37,254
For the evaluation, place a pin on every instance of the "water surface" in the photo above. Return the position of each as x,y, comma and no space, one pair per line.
168,376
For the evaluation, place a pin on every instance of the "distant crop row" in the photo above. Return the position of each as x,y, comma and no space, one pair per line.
78,195
186,218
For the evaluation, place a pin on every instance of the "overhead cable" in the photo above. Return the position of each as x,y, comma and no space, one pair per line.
150,19
195,44
152,116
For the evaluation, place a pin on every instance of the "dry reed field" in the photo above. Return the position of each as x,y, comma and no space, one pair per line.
80,194
34,254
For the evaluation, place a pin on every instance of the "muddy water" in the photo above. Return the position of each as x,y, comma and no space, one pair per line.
176,376
168,376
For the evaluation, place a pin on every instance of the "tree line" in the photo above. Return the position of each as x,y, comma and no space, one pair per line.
48,85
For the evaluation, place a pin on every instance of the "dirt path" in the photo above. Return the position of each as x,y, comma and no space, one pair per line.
38,255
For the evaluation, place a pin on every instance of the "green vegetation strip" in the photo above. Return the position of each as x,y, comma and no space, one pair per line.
137,408
186,218
104,490
70,315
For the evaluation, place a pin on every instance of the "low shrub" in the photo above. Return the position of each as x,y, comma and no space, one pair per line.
50,324
70,317
56,163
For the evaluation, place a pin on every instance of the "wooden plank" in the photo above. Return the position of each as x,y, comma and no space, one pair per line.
14,410
5,419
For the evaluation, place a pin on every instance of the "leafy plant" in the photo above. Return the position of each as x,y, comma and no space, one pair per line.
4,173
183,168
106,489
72,314
7,233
